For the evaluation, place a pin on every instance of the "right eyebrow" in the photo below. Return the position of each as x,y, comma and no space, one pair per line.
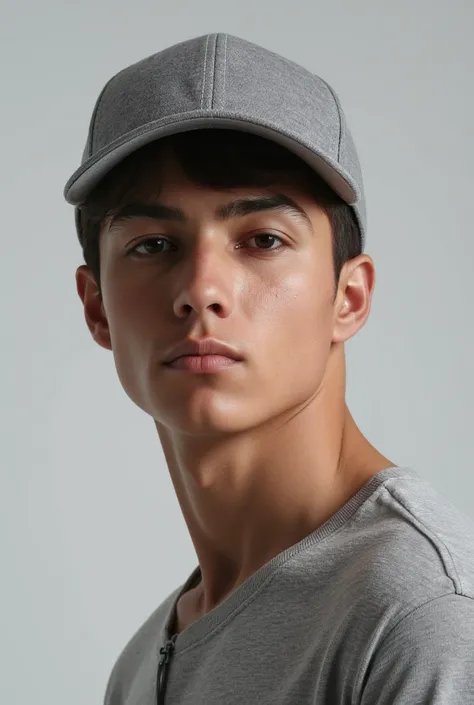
155,211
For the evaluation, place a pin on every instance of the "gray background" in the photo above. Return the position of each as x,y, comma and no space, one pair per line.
92,537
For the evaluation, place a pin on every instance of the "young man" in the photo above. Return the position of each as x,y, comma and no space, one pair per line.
220,207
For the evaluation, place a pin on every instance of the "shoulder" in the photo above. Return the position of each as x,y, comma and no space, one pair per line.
414,541
416,592
404,547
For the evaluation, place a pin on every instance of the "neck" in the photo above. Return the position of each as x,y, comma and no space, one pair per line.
247,497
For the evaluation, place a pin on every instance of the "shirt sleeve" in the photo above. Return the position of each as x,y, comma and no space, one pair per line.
427,658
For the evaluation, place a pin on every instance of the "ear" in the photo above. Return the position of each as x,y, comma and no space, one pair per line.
94,311
354,297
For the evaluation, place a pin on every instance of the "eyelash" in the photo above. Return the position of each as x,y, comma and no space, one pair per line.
133,250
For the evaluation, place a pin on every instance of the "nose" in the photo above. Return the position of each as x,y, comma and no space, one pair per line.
207,283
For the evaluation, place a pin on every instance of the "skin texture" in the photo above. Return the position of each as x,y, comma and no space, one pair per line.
264,452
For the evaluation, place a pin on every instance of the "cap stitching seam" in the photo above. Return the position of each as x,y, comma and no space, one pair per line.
225,67
213,84
204,72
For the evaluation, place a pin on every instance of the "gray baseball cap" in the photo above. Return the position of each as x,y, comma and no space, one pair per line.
221,81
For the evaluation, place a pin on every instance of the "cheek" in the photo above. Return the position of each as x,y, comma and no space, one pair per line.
294,338
292,333
134,328
123,315
295,309
134,304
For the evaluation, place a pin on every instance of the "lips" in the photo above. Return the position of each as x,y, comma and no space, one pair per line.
204,346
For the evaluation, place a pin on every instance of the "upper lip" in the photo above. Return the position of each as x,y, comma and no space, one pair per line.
205,346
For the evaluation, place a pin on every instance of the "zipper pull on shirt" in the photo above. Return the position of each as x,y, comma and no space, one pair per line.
166,652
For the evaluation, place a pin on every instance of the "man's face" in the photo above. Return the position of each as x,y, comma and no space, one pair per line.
262,282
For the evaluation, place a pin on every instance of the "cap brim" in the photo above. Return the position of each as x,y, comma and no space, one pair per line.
93,170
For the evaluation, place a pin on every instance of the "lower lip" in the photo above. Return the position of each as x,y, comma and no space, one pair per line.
202,363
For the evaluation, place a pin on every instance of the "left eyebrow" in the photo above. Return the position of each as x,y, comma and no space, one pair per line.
234,209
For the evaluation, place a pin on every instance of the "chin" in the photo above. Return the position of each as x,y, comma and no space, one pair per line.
198,418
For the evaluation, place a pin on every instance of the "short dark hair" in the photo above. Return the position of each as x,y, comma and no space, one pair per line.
218,158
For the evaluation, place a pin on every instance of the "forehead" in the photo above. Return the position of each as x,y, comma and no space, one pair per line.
156,169
179,201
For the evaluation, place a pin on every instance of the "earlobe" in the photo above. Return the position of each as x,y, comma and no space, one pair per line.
94,311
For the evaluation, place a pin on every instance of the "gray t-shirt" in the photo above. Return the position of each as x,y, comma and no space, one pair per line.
375,607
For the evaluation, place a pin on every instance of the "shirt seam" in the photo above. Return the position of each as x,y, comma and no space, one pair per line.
416,520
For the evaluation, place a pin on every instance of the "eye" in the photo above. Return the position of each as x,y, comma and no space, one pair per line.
264,237
148,244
